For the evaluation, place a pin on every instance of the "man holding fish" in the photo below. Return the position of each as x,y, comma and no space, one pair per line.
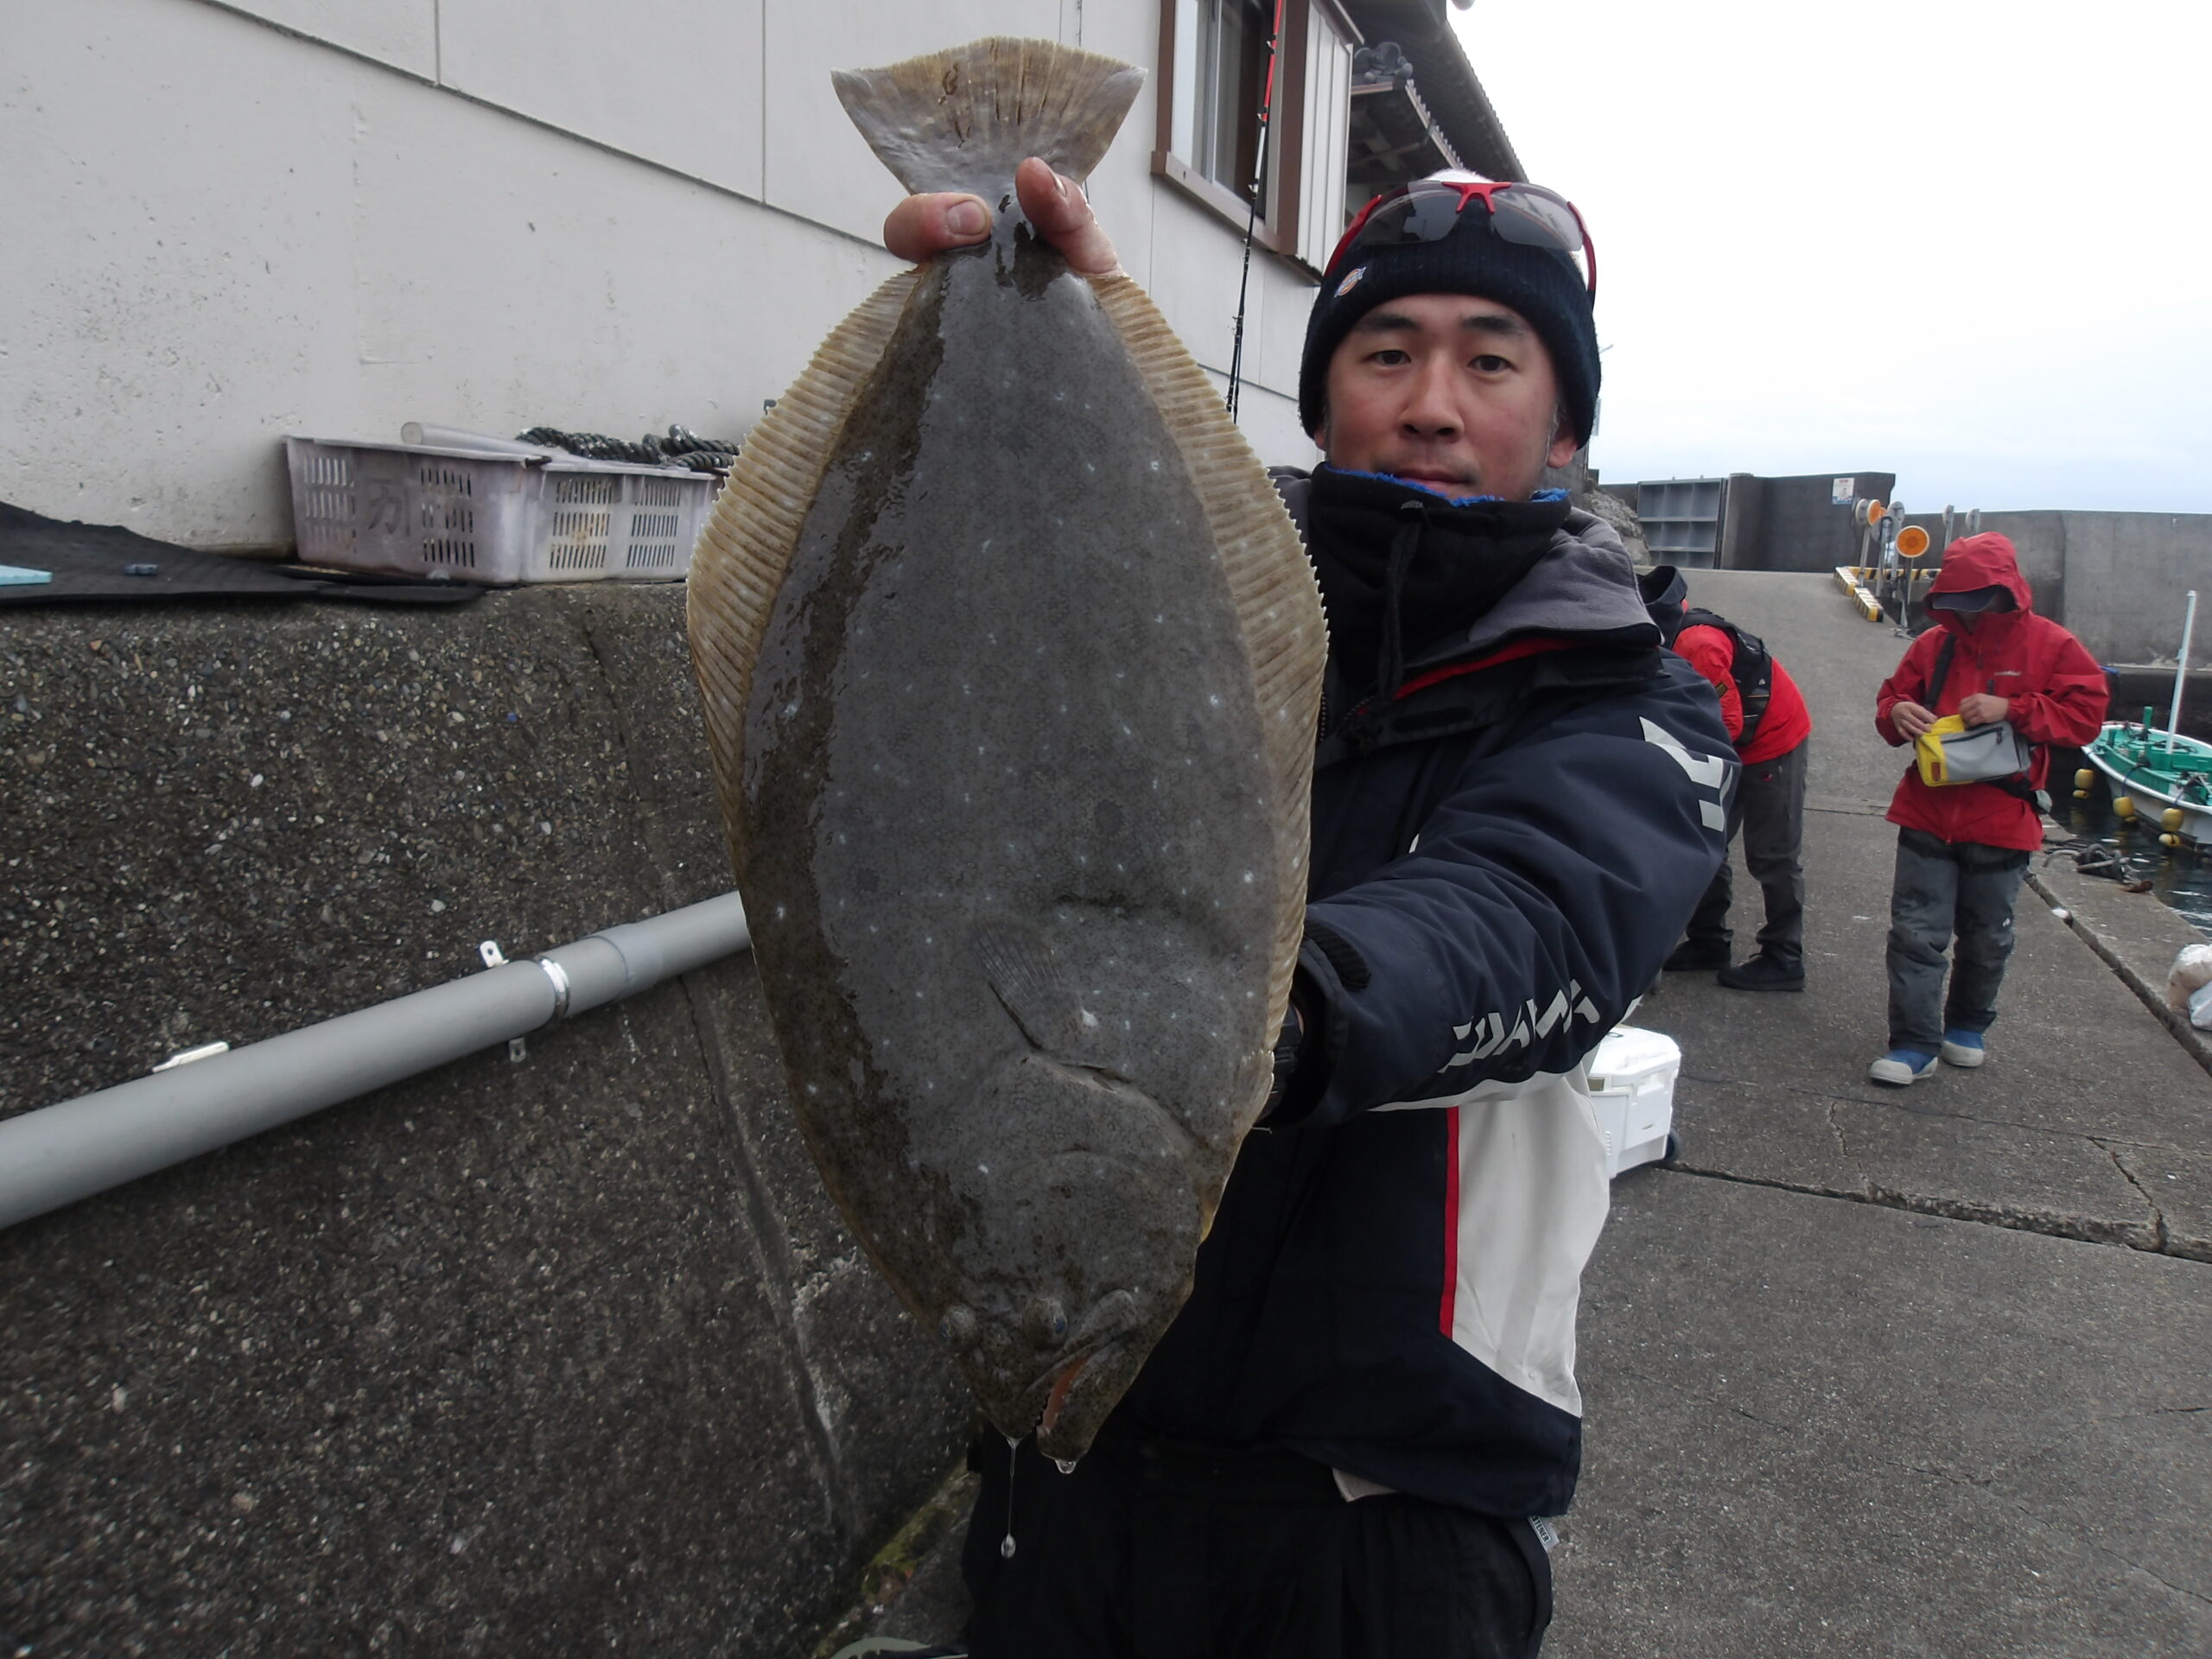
1351,1438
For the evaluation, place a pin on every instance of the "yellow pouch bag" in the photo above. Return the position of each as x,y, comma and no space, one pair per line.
1928,750
1950,753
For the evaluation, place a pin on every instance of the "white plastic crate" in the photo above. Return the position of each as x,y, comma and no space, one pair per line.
1632,1077
418,509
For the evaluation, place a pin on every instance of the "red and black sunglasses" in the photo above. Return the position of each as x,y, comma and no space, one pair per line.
1428,209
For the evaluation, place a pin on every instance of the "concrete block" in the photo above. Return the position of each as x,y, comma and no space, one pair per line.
1828,1429
568,1353
1752,1132
476,1364
2175,1184
2136,935
1926,1151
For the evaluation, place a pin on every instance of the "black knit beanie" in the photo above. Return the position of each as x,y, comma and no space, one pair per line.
1541,284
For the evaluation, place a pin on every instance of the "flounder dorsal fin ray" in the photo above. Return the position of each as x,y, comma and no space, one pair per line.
1271,583
746,548
963,119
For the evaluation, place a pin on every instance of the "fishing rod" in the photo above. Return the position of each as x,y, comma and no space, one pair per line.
1252,213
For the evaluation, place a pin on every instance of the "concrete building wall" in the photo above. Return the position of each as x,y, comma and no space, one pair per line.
2039,538
563,1355
1793,523
2126,577
227,223
1743,522
2118,580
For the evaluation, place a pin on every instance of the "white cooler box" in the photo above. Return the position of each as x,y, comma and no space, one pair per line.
1632,1090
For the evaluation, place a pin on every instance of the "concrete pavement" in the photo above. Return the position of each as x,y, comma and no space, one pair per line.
1900,1371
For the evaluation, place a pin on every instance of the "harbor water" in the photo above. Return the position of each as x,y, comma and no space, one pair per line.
2180,877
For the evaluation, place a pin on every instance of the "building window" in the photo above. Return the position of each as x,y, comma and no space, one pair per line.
1229,75
1214,59
1325,162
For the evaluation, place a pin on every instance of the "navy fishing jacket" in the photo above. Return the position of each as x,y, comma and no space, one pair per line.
1502,855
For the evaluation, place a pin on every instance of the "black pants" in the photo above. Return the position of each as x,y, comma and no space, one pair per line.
1768,808
1153,1550
1945,890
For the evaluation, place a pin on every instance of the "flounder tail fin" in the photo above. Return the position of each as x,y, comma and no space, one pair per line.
746,548
963,119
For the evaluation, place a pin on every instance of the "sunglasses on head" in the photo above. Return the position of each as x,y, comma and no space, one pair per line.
1428,209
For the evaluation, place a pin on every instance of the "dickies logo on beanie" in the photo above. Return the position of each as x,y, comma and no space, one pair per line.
1544,286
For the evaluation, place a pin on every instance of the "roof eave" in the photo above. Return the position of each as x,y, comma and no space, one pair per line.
1449,86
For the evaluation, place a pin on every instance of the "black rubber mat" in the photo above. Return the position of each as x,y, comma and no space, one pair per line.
106,564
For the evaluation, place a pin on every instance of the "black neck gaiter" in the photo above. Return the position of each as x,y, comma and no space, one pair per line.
1403,570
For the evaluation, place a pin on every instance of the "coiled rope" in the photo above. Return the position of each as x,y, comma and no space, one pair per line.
680,447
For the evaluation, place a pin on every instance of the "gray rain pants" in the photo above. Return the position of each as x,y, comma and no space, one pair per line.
1769,807
1944,889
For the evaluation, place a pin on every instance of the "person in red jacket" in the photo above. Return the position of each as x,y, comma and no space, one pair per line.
1962,848
1766,716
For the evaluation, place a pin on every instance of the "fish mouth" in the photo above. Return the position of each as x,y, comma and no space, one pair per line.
1056,1379
1082,1385
1057,1401
1072,1413
1037,1406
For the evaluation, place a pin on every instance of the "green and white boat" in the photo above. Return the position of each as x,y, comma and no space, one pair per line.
2159,778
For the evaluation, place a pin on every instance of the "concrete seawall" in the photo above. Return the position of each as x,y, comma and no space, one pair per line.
2117,579
566,1353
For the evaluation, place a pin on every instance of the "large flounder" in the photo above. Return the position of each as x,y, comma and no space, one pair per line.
1011,661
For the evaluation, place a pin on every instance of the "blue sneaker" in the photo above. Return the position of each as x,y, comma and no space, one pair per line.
1962,1047
1901,1065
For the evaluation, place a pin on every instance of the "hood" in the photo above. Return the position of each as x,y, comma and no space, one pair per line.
1666,599
1985,560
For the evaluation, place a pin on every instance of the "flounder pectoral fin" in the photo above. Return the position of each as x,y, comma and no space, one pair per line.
963,119
1029,982
745,549
1271,584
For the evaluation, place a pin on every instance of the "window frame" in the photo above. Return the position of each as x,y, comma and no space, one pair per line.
1276,228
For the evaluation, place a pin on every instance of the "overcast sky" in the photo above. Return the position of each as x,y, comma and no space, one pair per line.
1969,242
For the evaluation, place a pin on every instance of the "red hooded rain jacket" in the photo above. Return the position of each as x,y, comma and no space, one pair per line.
1786,721
2056,690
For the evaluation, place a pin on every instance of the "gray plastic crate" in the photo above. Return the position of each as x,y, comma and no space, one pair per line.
419,510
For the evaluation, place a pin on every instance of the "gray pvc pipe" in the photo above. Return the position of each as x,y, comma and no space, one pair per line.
60,1154
423,433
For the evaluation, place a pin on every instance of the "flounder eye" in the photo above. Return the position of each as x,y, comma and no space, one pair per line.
957,1328
1047,1321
